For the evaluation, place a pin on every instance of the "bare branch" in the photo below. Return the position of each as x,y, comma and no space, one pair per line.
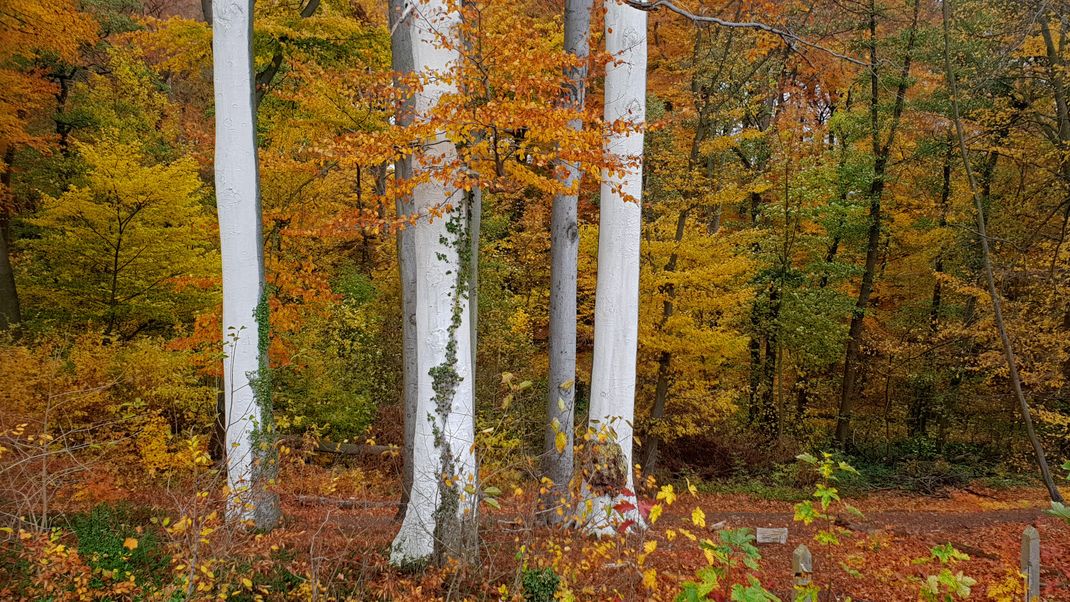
793,41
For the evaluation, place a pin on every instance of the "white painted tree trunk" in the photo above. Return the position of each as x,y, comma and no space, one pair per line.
440,517
616,327
558,464
250,450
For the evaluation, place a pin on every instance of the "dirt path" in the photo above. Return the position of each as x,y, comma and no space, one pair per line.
896,521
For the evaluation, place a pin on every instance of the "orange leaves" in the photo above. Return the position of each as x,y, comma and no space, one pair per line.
30,29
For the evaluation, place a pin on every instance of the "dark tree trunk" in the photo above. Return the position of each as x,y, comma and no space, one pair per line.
661,388
10,310
402,64
768,418
849,390
920,408
986,256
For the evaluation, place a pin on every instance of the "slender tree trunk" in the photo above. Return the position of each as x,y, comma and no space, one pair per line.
754,350
768,418
440,519
938,264
401,63
661,386
921,403
250,448
986,258
754,344
694,160
474,207
881,154
557,461
617,293
834,246
10,310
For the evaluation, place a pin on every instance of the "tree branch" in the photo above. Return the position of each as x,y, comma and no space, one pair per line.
793,41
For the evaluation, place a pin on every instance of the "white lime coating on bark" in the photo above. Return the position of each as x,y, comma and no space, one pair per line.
616,330
241,246
437,267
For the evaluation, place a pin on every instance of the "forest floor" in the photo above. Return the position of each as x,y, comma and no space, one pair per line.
877,559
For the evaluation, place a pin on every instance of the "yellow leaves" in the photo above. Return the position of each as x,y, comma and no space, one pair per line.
720,144
1032,46
130,543
152,443
667,494
1008,590
708,552
648,548
650,579
655,513
181,526
560,441
136,230
698,517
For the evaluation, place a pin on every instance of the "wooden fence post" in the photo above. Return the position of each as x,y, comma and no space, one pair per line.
802,564
1031,563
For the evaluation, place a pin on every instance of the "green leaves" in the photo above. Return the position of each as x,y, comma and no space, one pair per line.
946,586
1060,511
490,497
132,246
826,495
752,592
947,554
733,550
805,513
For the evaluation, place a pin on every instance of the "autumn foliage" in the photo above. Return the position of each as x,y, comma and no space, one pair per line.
767,157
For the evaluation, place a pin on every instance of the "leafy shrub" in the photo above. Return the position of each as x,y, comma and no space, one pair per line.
540,585
945,586
733,560
114,548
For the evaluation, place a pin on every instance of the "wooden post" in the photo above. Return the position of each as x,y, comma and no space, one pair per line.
1031,563
802,564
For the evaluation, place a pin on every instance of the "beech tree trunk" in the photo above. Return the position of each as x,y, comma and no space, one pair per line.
440,518
401,63
250,448
617,294
558,464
